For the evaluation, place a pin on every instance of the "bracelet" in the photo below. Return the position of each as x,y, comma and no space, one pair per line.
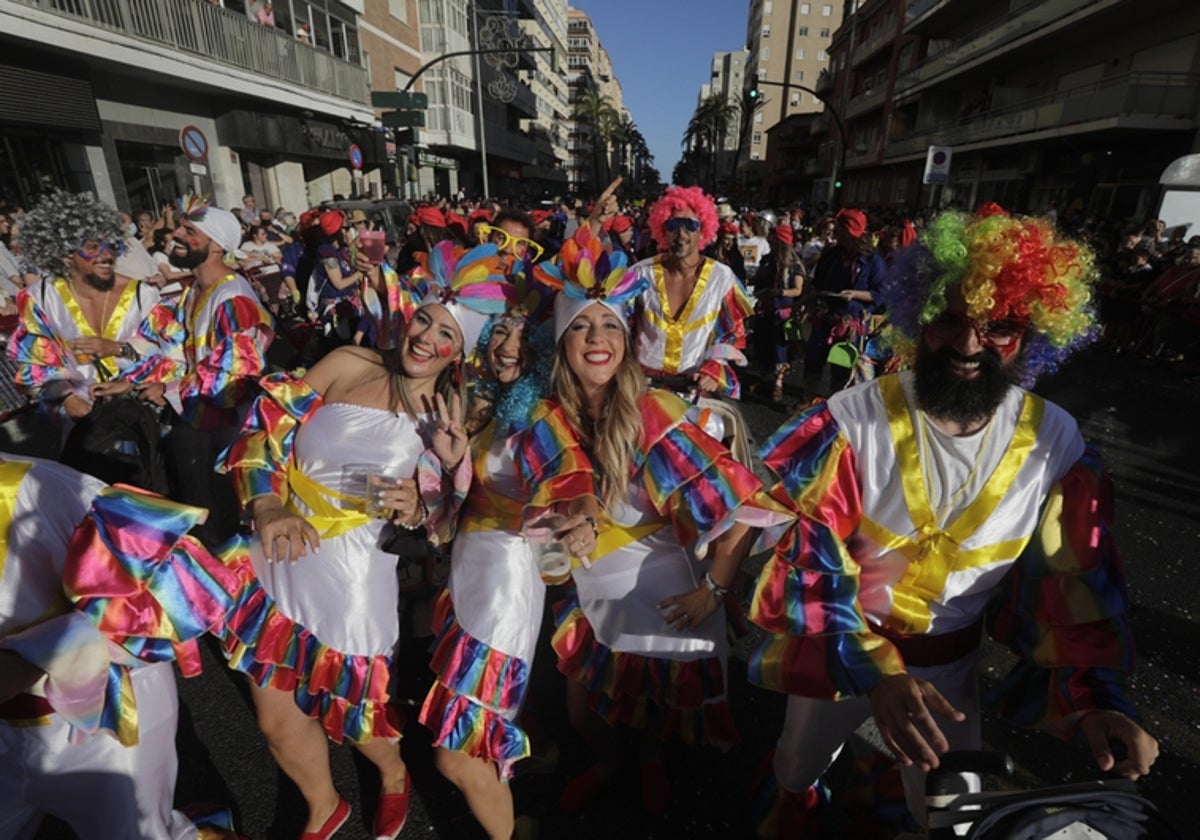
591,520
714,588
424,515
447,469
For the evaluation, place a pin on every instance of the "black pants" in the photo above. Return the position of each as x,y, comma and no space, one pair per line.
190,456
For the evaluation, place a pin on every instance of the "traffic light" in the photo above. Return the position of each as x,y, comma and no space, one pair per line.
753,93
837,185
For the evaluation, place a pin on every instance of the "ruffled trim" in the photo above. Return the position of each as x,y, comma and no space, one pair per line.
144,584
830,667
552,462
692,479
348,693
478,690
461,724
685,700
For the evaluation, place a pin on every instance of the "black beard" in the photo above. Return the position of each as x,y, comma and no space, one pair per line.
190,260
99,283
946,396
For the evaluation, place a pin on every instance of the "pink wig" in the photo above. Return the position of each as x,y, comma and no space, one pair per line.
684,198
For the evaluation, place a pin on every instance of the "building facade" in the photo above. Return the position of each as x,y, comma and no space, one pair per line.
102,96
787,42
1079,102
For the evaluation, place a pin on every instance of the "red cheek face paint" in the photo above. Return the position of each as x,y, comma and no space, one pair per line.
1008,351
193,242
445,351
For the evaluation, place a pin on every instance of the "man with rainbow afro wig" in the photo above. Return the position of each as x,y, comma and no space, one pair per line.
923,496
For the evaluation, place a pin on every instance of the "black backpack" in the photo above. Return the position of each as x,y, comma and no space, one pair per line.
1074,811
118,442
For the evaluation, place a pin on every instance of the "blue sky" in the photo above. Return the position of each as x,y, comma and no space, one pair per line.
662,53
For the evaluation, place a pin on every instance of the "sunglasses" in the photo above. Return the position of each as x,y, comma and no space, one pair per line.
999,333
679,224
518,246
90,250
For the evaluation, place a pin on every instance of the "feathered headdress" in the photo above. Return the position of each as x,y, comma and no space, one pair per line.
468,284
586,273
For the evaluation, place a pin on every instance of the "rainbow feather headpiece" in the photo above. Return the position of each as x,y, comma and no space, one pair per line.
1005,267
587,273
193,207
468,284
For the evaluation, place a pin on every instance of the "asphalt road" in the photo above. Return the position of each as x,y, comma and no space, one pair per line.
1142,416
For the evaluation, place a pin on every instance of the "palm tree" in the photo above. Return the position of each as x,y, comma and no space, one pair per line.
749,104
708,128
596,109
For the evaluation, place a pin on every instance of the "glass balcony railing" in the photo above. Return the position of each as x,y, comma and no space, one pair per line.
1153,98
199,28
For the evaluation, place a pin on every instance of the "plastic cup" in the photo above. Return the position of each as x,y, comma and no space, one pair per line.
549,553
354,486
372,244
379,478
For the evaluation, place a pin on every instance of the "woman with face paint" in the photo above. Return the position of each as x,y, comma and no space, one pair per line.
316,624
488,617
642,637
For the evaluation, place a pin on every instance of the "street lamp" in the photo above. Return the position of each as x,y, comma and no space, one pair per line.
840,163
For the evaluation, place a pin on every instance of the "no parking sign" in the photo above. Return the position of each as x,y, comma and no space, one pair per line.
356,157
937,165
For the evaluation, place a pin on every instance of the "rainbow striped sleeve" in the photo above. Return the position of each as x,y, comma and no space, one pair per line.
692,480
1064,610
807,595
163,328
241,333
41,358
142,582
552,461
258,459
729,339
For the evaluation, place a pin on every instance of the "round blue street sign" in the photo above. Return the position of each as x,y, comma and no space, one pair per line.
356,157
193,143
939,157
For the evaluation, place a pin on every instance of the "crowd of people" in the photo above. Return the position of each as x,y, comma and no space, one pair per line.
549,399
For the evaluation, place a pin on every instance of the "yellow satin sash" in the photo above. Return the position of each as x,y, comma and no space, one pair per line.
934,552
674,329
329,519
12,473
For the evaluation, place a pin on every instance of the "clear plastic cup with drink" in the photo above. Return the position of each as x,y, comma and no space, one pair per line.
549,552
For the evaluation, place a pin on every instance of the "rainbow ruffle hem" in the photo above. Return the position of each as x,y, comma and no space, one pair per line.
476,696
347,693
681,699
142,582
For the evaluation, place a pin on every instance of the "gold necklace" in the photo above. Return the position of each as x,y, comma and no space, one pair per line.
957,496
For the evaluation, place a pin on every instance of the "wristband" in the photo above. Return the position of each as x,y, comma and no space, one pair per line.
591,520
715,589
421,521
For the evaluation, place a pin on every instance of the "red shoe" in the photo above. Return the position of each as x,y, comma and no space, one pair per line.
392,812
330,827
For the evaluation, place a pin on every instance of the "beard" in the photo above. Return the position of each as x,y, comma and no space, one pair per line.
101,284
946,396
190,259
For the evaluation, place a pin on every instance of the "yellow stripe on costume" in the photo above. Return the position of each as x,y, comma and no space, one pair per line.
934,552
12,473
675,329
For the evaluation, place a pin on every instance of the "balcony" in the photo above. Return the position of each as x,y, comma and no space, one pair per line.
814,166
863,102
921,12
820,125
1139,101
1029,23
869,48
216,35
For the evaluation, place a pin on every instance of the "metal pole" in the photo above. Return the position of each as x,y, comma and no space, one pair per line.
479,98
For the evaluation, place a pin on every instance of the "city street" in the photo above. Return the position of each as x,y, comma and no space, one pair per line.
1143,418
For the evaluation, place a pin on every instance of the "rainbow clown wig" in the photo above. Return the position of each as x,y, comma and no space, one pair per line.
61,222
684,198
1005,267
587,273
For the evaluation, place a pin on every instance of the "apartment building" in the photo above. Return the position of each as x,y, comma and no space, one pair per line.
1080,102
787,42
100,96
589,68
